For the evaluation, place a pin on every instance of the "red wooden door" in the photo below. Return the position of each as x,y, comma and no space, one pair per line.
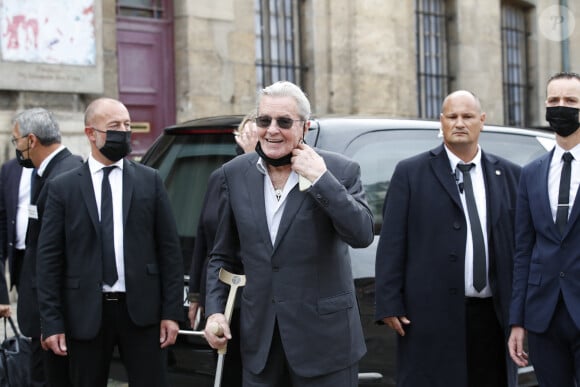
146,77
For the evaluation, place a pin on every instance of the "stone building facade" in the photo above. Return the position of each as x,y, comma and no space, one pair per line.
361,57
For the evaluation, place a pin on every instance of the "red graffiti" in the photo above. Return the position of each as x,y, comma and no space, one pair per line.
28,26
88,10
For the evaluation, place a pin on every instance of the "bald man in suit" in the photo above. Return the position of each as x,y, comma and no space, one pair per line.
111,261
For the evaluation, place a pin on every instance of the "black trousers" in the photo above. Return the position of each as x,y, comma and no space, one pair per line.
486,345
48,369
138,346
17,261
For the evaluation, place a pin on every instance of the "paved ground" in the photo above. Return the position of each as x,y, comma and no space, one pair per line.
8,332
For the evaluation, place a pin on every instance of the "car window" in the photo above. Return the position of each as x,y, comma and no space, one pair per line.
379,152
514,147
185,168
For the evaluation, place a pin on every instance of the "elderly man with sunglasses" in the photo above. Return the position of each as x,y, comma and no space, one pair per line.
287,216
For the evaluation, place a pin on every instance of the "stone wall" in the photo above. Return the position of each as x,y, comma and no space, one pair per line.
360,58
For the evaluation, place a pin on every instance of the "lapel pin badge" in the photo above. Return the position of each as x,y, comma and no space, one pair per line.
497,172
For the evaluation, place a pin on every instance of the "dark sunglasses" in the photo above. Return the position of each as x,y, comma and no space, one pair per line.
282,122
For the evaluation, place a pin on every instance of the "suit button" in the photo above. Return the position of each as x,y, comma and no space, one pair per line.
453,257
453,291
456,225
562,274
275,268
273,300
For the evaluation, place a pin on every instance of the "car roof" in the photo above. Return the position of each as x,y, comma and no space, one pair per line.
336,132
341,128
217,122
350,123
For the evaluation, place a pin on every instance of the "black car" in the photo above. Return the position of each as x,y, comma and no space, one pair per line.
187,153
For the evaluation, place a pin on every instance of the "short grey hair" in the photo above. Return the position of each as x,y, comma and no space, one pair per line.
39,122
287,89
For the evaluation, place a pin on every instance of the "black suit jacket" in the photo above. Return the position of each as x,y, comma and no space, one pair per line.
204,239
420,271
9,183
27,310
69,254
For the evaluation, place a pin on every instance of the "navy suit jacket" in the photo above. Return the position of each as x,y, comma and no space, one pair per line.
303,281
27,309
69,254
546,263
9,183
420,263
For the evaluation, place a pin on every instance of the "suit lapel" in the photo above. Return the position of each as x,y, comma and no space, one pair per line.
88,194
128,184
541,192
494,191
442,170
294,201
255,187
15,186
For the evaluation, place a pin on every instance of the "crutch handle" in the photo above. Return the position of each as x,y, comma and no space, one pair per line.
216,329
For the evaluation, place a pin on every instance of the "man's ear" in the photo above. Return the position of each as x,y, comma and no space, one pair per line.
305,128
32,140
89,132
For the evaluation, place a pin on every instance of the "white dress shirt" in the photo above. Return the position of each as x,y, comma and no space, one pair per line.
22,208
44,164
275,207
477,179
116,182
554,177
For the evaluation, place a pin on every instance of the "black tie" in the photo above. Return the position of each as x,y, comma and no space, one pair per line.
479,265
107,230
35,186
564,194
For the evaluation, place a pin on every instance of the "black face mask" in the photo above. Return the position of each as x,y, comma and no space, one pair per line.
117,145
563,119
25,163
284,160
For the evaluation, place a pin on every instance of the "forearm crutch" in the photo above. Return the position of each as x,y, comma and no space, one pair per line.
234,281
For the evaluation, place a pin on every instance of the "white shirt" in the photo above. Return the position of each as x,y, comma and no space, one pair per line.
275,207
22,208
477,180
44,164
116,182
554,177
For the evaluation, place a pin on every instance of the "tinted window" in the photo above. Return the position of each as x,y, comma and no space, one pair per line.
379,152
517,148
185,163
185,168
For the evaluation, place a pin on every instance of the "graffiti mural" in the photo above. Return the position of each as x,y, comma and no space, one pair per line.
48,31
